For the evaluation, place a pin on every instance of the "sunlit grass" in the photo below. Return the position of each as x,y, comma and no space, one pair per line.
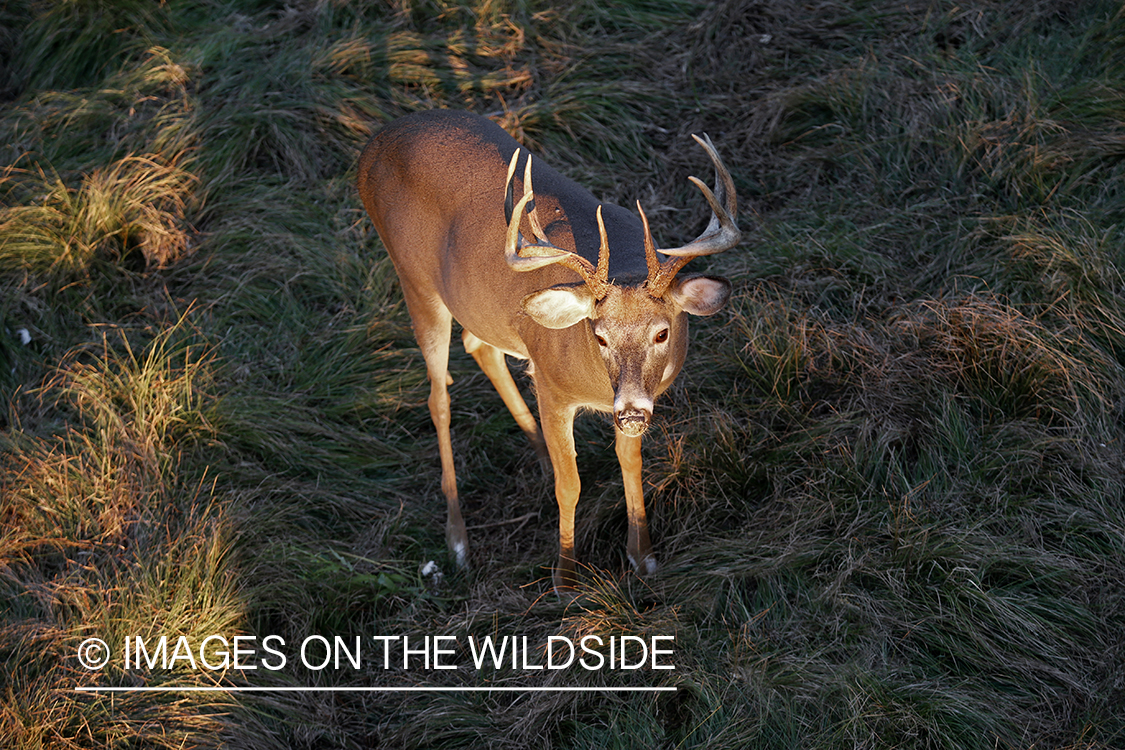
136,204
108,533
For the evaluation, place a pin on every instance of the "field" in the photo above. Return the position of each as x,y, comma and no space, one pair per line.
887,492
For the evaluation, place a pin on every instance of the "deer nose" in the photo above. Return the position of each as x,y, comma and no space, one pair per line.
632,421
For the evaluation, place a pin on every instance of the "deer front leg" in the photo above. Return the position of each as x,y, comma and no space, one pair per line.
558,432
637,546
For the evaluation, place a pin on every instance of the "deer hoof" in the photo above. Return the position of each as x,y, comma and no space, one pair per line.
565,579
647,567
459,546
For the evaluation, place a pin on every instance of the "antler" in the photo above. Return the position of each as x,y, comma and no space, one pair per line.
721,233
527,256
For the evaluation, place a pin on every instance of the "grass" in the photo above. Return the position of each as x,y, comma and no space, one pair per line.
135,205
886,492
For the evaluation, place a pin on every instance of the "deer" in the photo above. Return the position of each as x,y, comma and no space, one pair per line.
573,286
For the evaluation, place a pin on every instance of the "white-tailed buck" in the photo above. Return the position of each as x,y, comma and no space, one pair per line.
575,287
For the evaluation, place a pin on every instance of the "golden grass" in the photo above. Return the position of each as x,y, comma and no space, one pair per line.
106,535
135,204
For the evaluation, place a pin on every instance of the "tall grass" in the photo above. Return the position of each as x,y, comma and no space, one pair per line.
69,43
109,533
134,205
886,493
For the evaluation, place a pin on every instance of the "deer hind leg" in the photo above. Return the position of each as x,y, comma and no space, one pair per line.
433,324
638,546
491,361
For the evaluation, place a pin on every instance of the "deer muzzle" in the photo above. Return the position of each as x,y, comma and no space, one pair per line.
632,417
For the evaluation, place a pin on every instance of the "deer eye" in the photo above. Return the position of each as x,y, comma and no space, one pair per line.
662,336
601,341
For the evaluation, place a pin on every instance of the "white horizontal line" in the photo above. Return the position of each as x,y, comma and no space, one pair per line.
234,689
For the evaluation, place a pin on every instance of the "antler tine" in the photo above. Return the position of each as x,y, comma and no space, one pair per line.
508,185
527,256
533,215
602,271
533,212
651,260
724,183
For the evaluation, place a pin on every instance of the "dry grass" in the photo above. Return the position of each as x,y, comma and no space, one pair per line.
136,204
107,534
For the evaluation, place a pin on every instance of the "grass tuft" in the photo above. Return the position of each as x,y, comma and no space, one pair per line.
136,205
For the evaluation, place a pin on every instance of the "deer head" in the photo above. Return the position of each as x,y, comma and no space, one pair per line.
638,329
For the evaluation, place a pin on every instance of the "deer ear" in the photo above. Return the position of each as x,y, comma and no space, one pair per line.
559,306
701,295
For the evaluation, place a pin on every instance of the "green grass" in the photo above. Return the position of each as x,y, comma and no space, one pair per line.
886,493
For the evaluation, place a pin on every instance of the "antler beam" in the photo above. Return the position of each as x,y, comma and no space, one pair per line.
722,233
